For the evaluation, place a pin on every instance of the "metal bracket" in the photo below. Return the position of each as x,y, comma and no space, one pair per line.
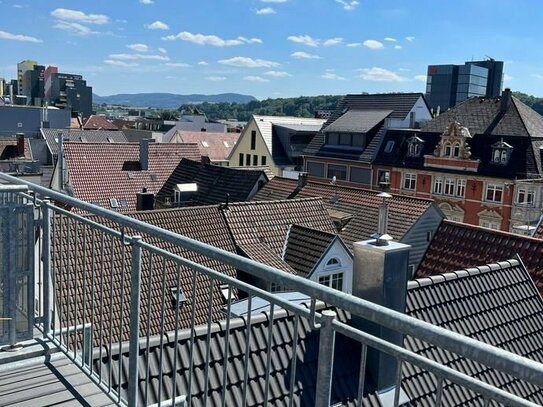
123,241
313,309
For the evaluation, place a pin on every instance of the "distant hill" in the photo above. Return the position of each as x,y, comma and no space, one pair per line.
169,100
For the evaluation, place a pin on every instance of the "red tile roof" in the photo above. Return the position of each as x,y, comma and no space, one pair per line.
96,172
96,122
363,204
216,146
457,245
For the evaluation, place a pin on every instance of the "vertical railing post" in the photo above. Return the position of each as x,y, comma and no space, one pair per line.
135,298
46,267
326,360
12,273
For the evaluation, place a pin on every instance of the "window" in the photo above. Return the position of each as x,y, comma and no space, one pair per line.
275,287
315,169
494,192
338,171
456,150
448,149
438,185
490,224
344,139
334,281
460,187
389,146
410,181
360,175
414,146
253,139
255,160
383,177
113,202
332,138
263,160
525,196
448,186
241,159
501,152
123,202
247,159
176,196
333,262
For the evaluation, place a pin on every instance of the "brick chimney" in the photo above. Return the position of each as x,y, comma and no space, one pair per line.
20,144
505,100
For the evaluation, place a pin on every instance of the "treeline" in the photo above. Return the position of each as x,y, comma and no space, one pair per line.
304,106
534,102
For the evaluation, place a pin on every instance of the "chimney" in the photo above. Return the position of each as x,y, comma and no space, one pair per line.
380,275
505,101
20,144
205,160
145,201
302,180
144,154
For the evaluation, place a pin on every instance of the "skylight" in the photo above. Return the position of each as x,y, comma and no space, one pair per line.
204,143
178,297
113,202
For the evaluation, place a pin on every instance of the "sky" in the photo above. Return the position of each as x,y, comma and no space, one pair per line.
270,48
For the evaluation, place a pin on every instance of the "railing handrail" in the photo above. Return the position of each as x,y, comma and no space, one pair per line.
497,358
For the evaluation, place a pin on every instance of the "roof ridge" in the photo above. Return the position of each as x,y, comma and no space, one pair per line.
493,231
462,273
277,201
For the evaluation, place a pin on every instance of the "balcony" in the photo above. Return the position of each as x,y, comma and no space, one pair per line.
150,317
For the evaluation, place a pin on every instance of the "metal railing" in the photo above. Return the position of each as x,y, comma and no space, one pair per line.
152,312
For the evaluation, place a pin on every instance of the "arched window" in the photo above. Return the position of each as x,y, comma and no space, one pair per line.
497,156
505,156
448,149
456,150
333,262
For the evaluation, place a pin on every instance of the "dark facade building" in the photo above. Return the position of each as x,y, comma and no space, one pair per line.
69,91
448,85
34,85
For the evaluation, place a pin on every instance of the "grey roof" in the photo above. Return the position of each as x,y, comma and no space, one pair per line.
300,127
497,304
50,381
90,136
357,121
304,247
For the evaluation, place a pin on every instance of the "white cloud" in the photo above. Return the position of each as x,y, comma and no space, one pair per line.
377,74
537,76
133,57
304,55
421,78
76,15
177,64
202,39
332,76
163,50
390,39
215,78
354,44
157,25
332,41
138,47
248,62
373,44
277,74
348,5
18,37
203,63
304,39
147,2
255,79
265,11
120,63
75,28
397,47
410,38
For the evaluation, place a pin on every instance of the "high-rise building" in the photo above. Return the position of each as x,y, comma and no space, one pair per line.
33,85
22,67
68,91
448,85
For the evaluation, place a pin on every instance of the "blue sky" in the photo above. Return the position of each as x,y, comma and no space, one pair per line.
270,48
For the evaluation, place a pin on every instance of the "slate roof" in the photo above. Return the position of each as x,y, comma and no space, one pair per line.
458,245
96,122
363,204
101,171
266,123
195,123
497,304
50,382
481,115
91,136
109,305
8,149
214,182
524,162
304,247
216,146
357,121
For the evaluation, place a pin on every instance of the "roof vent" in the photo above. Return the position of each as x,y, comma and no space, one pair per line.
178,297
382,237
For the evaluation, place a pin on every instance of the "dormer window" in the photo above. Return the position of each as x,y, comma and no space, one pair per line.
454,143
456,150
389,146
414,146
501,152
